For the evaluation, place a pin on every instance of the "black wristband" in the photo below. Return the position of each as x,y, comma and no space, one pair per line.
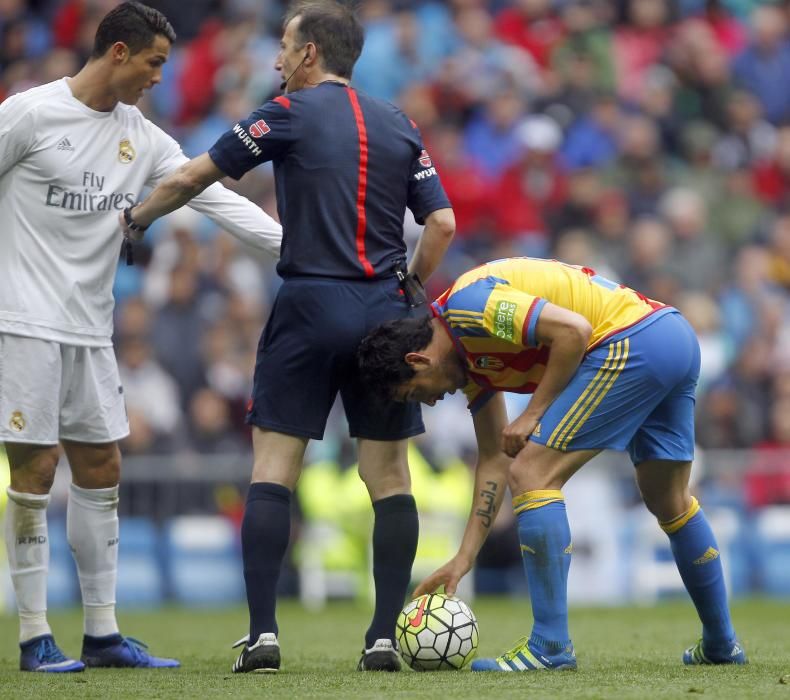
130,222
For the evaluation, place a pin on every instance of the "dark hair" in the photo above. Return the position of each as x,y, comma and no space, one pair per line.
133,23
380,357
334,28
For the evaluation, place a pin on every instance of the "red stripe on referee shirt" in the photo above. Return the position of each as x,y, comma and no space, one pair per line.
363,182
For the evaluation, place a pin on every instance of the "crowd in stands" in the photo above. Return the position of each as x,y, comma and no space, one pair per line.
647,139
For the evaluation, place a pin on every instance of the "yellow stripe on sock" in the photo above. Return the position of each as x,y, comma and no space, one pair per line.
604,390
530,500
560,429
672,526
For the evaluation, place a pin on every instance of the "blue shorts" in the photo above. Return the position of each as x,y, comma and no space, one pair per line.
634,392
307,354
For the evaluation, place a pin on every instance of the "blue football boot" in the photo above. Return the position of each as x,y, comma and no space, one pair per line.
43,655
526,656
116,651
731,653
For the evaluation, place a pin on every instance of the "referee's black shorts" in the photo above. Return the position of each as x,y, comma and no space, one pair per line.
307,353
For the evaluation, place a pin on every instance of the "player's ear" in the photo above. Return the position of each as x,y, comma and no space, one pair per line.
417,361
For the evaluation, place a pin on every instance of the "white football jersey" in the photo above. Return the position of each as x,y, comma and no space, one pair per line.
66,172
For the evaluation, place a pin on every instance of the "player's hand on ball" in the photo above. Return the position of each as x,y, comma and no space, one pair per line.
448,576
515,436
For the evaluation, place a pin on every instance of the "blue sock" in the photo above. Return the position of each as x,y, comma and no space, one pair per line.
697,557
265,531
395,534
545,538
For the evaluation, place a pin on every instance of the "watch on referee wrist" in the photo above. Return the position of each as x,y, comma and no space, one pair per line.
130,222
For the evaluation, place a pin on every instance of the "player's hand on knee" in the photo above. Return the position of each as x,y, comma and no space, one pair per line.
515,436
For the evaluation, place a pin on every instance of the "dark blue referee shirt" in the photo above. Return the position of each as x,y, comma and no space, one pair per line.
346,166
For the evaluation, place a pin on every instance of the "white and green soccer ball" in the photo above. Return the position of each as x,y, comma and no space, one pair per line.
436,632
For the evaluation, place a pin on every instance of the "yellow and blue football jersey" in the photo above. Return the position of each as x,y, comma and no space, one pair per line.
491,314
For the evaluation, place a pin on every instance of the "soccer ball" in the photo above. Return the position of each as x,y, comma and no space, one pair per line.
437,632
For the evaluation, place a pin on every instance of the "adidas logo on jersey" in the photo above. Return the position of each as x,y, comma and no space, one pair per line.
65,145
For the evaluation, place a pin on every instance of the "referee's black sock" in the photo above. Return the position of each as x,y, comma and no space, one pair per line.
395,534
265,531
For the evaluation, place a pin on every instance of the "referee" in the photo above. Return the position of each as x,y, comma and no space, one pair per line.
346,166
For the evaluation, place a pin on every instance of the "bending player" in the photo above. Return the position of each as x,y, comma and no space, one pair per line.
607,369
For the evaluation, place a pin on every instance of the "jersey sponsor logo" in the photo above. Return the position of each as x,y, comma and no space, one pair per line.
425,159
64,144
246,140
126,152
423,174
488,362
710,555
504,319
17,422
88,201
259,128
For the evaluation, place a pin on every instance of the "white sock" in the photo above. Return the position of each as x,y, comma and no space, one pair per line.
27,544
92,531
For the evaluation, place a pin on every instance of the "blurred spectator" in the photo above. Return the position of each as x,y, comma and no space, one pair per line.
640,170
749,138
767,478
745,293
765,63
716,349
583,59
592,140
639,43
698,256
210,428
152,397
532,25
533,189
491,138
772,177
177,330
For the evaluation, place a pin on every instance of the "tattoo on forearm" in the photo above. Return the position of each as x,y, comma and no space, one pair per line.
488,495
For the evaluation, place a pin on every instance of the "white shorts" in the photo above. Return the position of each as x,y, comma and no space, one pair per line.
51,392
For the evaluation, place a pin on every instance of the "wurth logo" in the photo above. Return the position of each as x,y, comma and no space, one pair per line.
423,174
246,140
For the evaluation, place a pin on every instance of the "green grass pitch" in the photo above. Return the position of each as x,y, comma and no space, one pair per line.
623,653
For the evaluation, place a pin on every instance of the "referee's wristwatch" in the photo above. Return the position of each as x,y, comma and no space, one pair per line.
131,224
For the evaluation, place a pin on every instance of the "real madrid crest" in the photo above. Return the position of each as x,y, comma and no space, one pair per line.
17,422
126,152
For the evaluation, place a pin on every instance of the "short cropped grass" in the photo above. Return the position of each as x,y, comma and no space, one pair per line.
623,653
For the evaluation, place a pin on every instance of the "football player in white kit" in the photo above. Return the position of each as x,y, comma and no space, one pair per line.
73,154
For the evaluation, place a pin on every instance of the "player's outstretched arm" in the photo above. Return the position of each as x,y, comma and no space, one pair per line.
433,243
489,490
173,192
240,217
